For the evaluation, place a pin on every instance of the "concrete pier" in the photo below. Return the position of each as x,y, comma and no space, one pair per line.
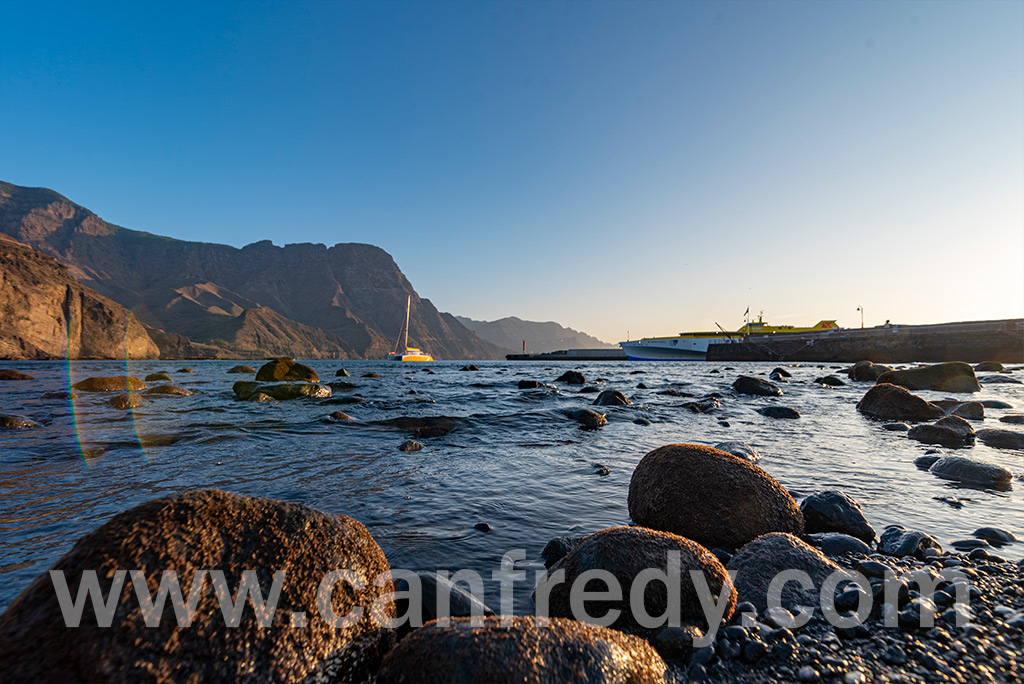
572,355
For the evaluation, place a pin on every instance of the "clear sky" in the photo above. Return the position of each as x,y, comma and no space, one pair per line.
615,166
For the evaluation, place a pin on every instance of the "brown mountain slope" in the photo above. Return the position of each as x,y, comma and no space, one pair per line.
354,292
45,313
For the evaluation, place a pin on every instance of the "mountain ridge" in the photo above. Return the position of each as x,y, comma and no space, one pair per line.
540,336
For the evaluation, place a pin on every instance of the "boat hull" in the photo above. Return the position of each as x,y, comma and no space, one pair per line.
410,357
669,349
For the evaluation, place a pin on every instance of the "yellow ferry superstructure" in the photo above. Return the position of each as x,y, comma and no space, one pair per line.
693,346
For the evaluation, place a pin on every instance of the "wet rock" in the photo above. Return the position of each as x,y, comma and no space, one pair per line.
589,390
926,462
482,527
746,384
422,428
758,563
460,602
530,384
641,421
625,552
260,398
775,377
970,471
11,374
951,431
341,386
1001,439
835,511
641,385
470,368
971,410
836,544
670,392
341,373
601,470
588,418
889,402
710,496
945,377
676,643
286,369
244,389
782,372
16,423
174,390
410,445
571,377
341,415
896,427
557,548
740,449
995,404
867,371
612,398
185,370
371,375
703,405
830,381
989,366
123,402
289,390
241,369
158,377
116,384
898,541
1001,379
779,412
190,533
1015,419
995,535
519,650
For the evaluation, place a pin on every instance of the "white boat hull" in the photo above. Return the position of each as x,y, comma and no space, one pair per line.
670,349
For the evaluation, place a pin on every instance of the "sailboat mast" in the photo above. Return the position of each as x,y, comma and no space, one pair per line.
408,303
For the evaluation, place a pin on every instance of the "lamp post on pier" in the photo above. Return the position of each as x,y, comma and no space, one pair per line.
861,309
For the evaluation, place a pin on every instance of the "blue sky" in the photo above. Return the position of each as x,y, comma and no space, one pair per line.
614,166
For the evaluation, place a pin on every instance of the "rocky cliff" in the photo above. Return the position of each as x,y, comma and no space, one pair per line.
509,333
304,300
45,313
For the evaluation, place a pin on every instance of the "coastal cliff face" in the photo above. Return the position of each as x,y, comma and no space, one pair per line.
304,300
45,313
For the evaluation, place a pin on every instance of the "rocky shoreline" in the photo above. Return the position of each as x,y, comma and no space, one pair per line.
728,520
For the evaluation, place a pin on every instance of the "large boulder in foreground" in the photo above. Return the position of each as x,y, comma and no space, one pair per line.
945,377
116,384
524,651
710,496
748,384
889,402
760,561
625,552
285,369
833,511
206,530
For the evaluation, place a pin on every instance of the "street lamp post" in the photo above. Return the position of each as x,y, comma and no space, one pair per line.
861,309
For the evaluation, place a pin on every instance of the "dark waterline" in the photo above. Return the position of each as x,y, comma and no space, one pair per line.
515,461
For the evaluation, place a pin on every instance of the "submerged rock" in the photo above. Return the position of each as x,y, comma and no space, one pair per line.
1015,419
837,544
410,445
945,377
995,535
1001,379
760,561
703,405
835,511
747,384
124,402
970,471
896,427
115,384
521,650
740,449
16,423
470,368
898,541
612,398
185,370
171,390
951,431
289,390
571,377
460,602
341,373
1001,439
782,372
421,427
989,366
625,552
889,402
830,381
867,371
191,533
11,374
158,377
242,369
341,415
371,375
779,412
286,369
588,418
710,496
995,404
530,384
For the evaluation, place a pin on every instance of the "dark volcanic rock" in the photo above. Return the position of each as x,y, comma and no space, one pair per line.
834,511
898,541
747,384
202,532
1015,419
410,445
341,415
971,410
951,431
341,373
124,402
760,561
836,544
1001,439
170,389
11,374
781,372
282,392
461,603
995,404
710,496
740,449
530,384
185,370
158,377
588,418
867,371
122,384
889,402
371,375
431,426
779,412
1001,379
896,427
286,369
557,548
703,405
470,368
16,423
625,552
970,471
612,398
242,369
571,377
830,381
945,377
522,652
995,535
989,367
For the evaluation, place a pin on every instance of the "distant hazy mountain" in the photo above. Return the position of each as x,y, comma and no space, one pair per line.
509,333
302,300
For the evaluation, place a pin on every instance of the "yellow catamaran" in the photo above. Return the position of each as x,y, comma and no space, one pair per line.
410,353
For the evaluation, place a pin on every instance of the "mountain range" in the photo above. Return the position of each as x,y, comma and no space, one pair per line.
510,333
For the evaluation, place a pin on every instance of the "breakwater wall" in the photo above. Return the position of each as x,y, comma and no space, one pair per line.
974,342
572,355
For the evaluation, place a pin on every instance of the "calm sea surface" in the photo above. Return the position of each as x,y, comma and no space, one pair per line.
515,461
